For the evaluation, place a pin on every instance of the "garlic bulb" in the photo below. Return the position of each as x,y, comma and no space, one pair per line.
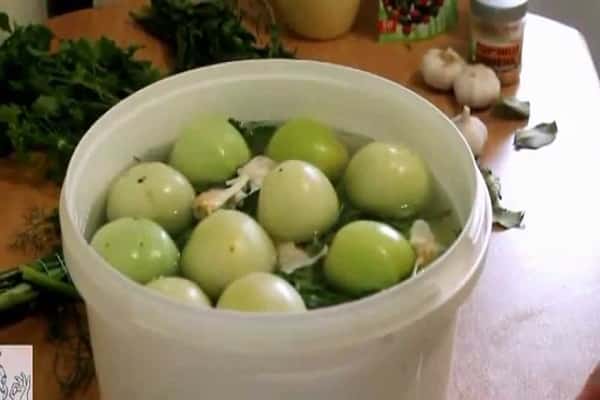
477,86
441,67
473,129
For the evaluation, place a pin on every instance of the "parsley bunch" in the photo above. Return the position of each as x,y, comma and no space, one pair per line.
48,100
207,32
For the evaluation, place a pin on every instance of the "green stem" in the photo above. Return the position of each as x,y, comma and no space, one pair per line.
47,282
9,278
20,294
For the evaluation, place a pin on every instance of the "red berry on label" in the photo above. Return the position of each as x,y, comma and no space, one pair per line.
415,15
424,3
406,29
426,19
439,2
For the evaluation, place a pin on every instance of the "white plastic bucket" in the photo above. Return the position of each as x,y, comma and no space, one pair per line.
396,344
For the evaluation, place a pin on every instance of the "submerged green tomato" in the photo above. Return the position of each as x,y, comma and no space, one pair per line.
367,256
224,247
180,289
139,248
297,202
388,180
261,292
311,141
209,150
155,191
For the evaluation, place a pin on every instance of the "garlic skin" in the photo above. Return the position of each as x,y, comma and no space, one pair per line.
440,68
214,199
250,176
424,243
256,170
473,130
290,257
477,86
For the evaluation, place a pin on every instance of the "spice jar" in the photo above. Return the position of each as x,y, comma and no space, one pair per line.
497,28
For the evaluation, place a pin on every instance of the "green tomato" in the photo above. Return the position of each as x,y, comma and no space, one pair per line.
368,256
223,247
297,202
311,141
155,191
390,181
181,290
139,248
209,150
261,292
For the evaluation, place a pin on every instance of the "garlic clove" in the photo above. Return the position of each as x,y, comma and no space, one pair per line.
252,173
256,169
477,86
440,68
473,130
213,199
290,257
424,243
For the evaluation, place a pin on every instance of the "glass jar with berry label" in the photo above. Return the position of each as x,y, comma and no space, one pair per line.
411,20
497,30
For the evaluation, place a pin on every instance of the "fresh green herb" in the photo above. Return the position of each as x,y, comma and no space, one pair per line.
534,138
205,32
16,294
310,282
512,107
73,359
48,100
45,285
503,217
249,205
256,133
47,276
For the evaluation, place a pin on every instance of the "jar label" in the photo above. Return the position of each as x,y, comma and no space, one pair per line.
501,58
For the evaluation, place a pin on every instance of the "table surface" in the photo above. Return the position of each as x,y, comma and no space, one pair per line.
531,329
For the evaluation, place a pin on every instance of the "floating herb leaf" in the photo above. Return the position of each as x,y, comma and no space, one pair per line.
256,133
512,107
503,217
537,137
310,282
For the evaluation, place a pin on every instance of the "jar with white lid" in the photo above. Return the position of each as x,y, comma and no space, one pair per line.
497,30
